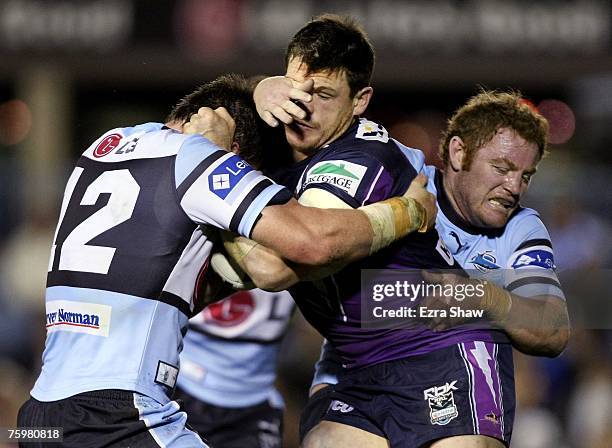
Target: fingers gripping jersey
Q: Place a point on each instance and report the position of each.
(131, 241)
(231, 349)
(361, 167)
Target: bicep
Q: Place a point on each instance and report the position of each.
(316, 197)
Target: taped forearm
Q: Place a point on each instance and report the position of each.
(393, 219)
(238, 247)
(536, 326)
(496, 302)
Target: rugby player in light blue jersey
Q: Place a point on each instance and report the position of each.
(435, 388)
(490, 153)
(132, 247)
(228, 369)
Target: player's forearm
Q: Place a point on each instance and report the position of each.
(324, 237)
(537, 326)
(314, 237)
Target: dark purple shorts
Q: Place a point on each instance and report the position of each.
(463, 389)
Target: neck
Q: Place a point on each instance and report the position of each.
(298, 156)
(175, 125)
(449, 191)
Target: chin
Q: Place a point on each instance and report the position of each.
(495, 222)
(301, 145)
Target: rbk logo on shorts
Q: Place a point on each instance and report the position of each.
(442, 408)
(342, 174)
(78, 317)
(340, 406)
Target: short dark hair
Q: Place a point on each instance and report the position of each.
(234, 92)
(478, 120)
(331, 42)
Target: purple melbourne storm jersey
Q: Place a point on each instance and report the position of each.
(131, 243)
(361, 167)
(518, 257)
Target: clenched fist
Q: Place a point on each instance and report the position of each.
(216, 125)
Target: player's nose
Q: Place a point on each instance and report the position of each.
(306, 107)
(513, 184)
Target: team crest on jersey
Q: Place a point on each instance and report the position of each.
(537, 257)
(227, 175)
(368, 130)
(107, 145)
(485, 261)
(342, 174)
(78, 317)
(442, 408)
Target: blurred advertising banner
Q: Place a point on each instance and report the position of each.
(241, 28)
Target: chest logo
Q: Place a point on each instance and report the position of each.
(230, 311)
(485, 261)
(107, 145)
(344, 175)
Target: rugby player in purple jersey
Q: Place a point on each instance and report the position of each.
(346, 162)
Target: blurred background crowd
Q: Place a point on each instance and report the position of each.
(70, 70)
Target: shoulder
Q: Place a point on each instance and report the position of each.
(525, 224)
(368, 143)
(527, 241)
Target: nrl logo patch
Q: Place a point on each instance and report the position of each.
(368, 130)
(344, 175)
(442, 408)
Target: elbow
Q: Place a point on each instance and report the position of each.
(557, 343)
(550, 346)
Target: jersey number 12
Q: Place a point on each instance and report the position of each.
(75, 254)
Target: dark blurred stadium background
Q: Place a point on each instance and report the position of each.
(72, 69)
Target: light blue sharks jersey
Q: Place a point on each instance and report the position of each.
(131, 243)
(231, 349)
(517, 257)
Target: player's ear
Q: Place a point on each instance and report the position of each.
(456, 153)
(235, 148)
(361, 100)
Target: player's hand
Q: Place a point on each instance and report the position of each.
(418, 191)
(275, 99)
(216, 125)
(457, 303)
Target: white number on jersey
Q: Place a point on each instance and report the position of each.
(76, 254)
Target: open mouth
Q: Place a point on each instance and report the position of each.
(502, 203)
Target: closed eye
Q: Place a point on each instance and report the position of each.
(501, 170)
